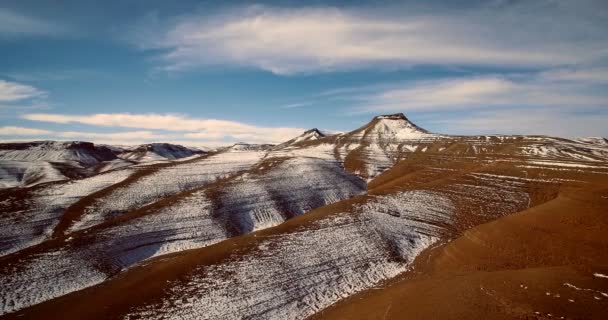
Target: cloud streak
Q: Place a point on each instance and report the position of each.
(190, 128)
(550, 122)
(22, 131)
(563, 102)
(13, 91)
(574, 88)
(15, 24)
(318, 39)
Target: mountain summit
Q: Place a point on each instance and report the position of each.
(395, 116)
(308, 135)
(397, 125)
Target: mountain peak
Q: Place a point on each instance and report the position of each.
(395, 116)
(313, 131)
(395, 125)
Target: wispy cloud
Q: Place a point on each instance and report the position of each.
(127, 138)
(126, 135)
(192, 128)
(15, 24)
(62, 74)
(564, 102)
(21, 131)
(543, 121)
(13, 91)
(585, 75)
(296, 40)
(296, 105)
(580, 88)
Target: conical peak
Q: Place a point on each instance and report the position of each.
(314, 131)
(395, 116)
(394, 124)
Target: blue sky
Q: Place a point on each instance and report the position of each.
(206, 73)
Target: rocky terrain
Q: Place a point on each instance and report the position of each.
(374, 223)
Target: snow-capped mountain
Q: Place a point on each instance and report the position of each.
(84, 153)
(308, 135)
(387, 139)
(158, 152)
(242, 146)
(30, 163)
(594, 140)
(287, 231)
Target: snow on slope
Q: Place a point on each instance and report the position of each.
(251, 202)
(323, 151)
(158, 152)
(112, 165)
(288, 278)
(186, 224)
(393, 127)
(76, 266)
(23, 174)
(85, 153)
(26, 220)
(168, 181)
(378, 144)
(294, 186)
(308, 135)
(29, 163)
(288, 189)
(194, 222)
(601, 141)
(53, 274)
(553, 148)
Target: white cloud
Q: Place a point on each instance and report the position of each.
(21, 131)
(287, 41)
(13, 91)
(544, 121)
(488, 91)
(128, 135)
(296, 105)
(13, 23)
(593, 75)
(203, 129)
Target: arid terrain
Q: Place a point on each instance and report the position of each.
(388, 221)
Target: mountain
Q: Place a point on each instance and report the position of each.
(308, 135)
(379, 145)
(158, 152)
(601, 141)
(242, 146)
(385, 220)
(30, 163)
(83, 153)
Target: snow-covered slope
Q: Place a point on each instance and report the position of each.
(308, 135)
(366, 151)
(31, 163)
(601, 141)
(84, 153)
(279, 191)
(242, 224)
(158, 152)
(26, 173)
(242, 146)
(385, 140)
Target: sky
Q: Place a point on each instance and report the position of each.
(209, 73)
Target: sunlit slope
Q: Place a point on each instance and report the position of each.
(547, 262)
